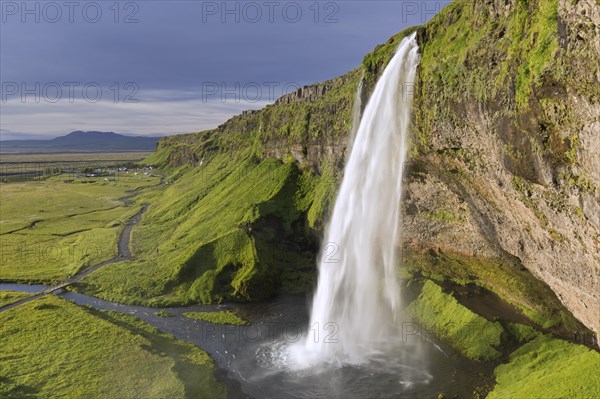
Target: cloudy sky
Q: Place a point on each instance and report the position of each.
(166, 67)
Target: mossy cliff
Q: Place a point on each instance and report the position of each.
(503, 187)
(505, 178)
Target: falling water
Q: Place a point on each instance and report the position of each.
(357, 296)
(356, 112)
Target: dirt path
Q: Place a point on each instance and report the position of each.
(124, 253)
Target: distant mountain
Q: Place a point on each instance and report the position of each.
(82, 141)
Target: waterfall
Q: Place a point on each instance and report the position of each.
(356, 112)
(357, 296)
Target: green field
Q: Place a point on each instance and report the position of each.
(227, 229)
(52, 228)
(8, 297)
(52, 348)
(36, 167)
(75, 157)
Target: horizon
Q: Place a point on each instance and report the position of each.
(155, 135)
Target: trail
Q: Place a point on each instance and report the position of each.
(124, 254)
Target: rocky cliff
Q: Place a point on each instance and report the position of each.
(503, 187)
(507, 146)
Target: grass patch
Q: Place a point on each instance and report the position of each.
(521, 332)
(221, 317)
(54, 348)
(469, 333)
(232, 228)
(51, 229)
(163, 313)
(8, 297)
(548, 368)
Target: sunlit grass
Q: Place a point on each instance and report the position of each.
(472, 335)
(221, 317)
(214, 233)
(8, 297)
(54, 348)
(51, 228)
(549, 368)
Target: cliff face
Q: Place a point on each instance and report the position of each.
(507, 146)
(503, 187)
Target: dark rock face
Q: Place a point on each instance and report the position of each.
(505, 158)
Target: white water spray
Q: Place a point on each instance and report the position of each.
(358, 295)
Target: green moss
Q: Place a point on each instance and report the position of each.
(556, 235)
(571, 144)
(324, 197)
(526, 190)
(441, 215)
(463, 33)
(469, 333)
(521, 332)
(548, 368)
(222, 317)
(514, 284)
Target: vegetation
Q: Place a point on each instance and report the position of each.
(469, 333)
(221, 317)
(79, 352)
(73, 158)
(226, 229)
(527, 40)
(8, 297)
(515, 285)
(548, 368)
(521, 332)
(51, 229)
(163, 313)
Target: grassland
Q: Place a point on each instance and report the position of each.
(8, 297)
(469, 333)
(52, 228)
(34, 167)
(549, 368)
(52, 348)
(67, 157)
(228, 229)
(221, 317)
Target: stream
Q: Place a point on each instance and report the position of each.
(251, 359)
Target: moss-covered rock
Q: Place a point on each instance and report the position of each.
(470, 334)
(548, 368)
